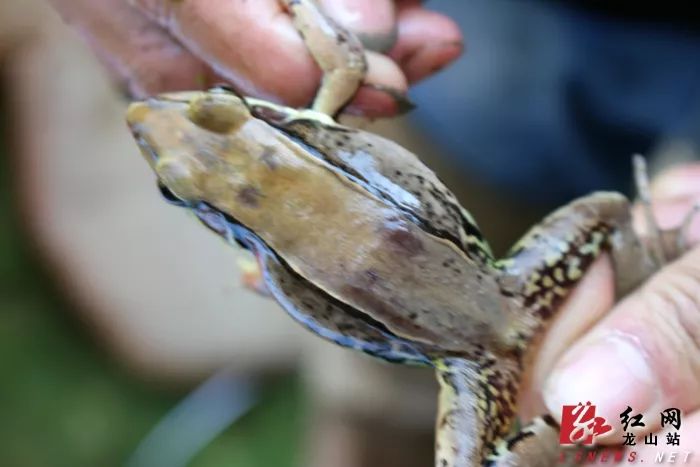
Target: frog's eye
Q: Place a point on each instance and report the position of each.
(218, 112)
(171, 197)
(224, 89)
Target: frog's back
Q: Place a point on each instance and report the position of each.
(397, 176)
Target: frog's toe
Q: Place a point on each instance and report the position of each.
(252, 277)
(681, 235)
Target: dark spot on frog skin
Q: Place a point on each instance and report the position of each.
(446, 419)
(523, 435)
(249, 196)
(404, 240)
(382, 311)
(344, 327)
(372, 276)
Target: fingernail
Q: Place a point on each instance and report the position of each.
(431, 58)
(611, 372)
(679, 181)
(379, 42)
(379, 101)
(403, 103)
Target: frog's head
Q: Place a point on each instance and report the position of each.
(184, 137)
(210, 154)
(197, 143)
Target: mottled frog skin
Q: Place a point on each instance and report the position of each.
(362, 244)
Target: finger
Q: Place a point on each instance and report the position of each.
(670, 214)
(141, 56)
(679, 181)
(377, 100)
(427, 41)
(578, 315)
(255, 46)
(645, 354)
(372, 21)
(583, 309)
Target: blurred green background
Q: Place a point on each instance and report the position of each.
(66, 402)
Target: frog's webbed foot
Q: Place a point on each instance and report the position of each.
(337, 52)
(252, 277)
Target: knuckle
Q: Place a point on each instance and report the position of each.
(159, 10)
(673, 298)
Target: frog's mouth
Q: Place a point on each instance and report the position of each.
(135, 117)
(146, 149)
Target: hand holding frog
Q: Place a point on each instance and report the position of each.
(363, 245)
(154, 46)
(645, 353)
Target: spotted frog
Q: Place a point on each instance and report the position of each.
(362, 244)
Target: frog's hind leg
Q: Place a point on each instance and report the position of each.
(477, 422)
(542, 269)
(338, 53)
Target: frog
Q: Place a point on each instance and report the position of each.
(363, 244)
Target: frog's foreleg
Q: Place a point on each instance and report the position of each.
(337, 52)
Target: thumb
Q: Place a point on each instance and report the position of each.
(645, 354)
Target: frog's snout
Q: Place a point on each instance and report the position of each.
(135, 113)
(136, 116)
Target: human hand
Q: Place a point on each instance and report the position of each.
(154, 46)
(643, 352)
